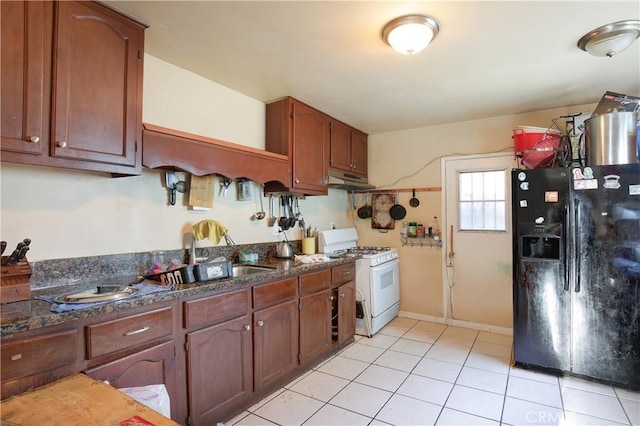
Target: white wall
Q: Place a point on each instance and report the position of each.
(71, 213)
(411, 159)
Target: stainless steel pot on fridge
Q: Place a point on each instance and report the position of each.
(612, 139)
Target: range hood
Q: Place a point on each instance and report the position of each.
(348, 182)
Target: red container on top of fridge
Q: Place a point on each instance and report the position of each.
(536, 146)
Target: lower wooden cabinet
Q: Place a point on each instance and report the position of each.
(346, 312)
(315, 325)
(219, 369)
(275, 340)
(152, 366)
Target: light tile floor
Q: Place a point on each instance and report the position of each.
(421, 373)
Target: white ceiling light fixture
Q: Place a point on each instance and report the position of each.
(411, 33)
(610, 39)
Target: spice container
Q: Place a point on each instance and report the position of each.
(412, 229)
(403, 231)
(420, 230)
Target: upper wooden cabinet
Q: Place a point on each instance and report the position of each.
(302, 133)
(348, 149)
(71, 86)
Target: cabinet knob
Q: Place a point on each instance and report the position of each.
(297, 180)
(332, 298)
(62, 144)
(260, 323)
(247, 327)
(341, 294)
(34, 139)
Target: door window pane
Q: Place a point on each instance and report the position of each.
(482, 201)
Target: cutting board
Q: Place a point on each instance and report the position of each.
(201, 191)
(78, 400)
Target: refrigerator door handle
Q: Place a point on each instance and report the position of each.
(576, 255)
(567, 253)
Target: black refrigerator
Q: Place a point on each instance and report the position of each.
(576, 271)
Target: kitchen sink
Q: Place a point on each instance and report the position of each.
(244, 270)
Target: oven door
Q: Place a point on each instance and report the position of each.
(385, 286)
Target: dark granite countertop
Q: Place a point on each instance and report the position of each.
(32, 314)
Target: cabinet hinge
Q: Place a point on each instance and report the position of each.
(186, 346)
(291, 115)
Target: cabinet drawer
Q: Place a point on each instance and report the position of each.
(124, 333)
(316, 281)
(26, 357)
(343, 273)
(215, 309)
(268, 294)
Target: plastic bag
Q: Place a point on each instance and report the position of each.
(155, 397)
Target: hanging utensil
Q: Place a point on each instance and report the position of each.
(271, 220)
(284, 220)
(365, 211)
(292, 216)
(397, 211)
(414, 202)
(170, 178)
(225, 182)
(261, 214)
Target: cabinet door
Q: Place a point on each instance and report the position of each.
(359, 153)
(315, 325)
(218, 369)
(97, 68)
(152, 366)
(310, 149)
(275, 340)
(346, 312)
(25, 42)
(340, 151)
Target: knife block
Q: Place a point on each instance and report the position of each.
(15, 281)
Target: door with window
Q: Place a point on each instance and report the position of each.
(476, 237)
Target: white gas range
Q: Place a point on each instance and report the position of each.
(377, 278)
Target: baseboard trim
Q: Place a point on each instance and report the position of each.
(458, 323)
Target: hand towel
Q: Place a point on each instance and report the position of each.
(210, 229)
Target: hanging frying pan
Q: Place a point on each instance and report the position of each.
(414, 202)
(365, 211)
(397, 211)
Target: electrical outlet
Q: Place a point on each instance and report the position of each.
(333, 225)
(276, 229)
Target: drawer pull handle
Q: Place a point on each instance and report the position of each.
(247, 327)
(141, 330)
(260, 323)
(16, 357)
(347, 273)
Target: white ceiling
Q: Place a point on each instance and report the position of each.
(491, 58)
